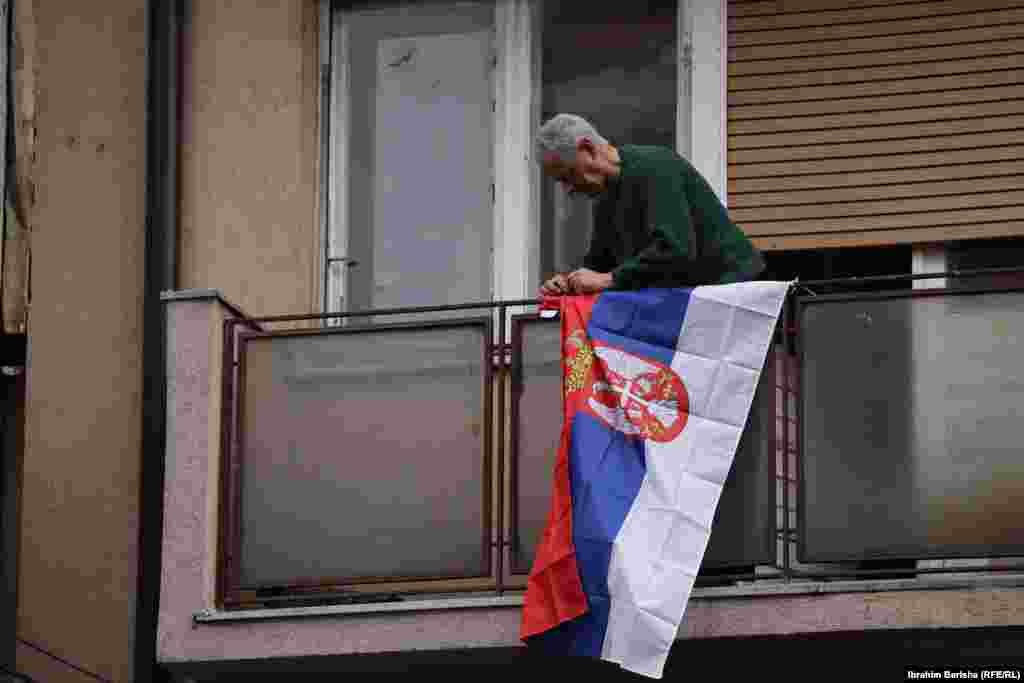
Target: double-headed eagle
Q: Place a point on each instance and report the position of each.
(579, 359)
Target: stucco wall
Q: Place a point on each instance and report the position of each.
(80, 497)
(249, 167)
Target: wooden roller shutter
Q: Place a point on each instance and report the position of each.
(868, 122)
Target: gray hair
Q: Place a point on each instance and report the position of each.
(561, 133)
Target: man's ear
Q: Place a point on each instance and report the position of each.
(586, 145)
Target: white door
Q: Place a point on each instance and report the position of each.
(416, 224)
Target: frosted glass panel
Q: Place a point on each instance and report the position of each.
(363, 455)
(538, 429)
(912, 410)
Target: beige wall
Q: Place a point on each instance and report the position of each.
(80, 501)
(250, 219)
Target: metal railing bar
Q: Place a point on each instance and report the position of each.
(870, 279)
(503, 427)
(844, 572)
(397, 311)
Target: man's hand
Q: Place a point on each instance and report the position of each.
(582, 281)
(555, 285)
(586, 281)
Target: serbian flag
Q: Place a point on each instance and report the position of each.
(657, 387)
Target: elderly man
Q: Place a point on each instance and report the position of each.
(657, 222)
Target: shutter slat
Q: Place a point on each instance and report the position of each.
(887, 132)
(889, 221)
(864, 14)
(873, 238)
(878, 73)
(769, 7)
(877, 118)
(819, 93)
(907, 175)
(865, 30)
(869, 149)
(891, 206)
(877, 163)
(910, 49)
(882, 103)
(869, 193)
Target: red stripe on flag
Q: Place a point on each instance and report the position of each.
(554, 592)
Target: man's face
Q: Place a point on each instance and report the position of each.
(580, 176)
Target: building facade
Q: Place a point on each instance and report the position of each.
(193, 491)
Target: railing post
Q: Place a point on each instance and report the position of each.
(787, 532)
(224, 547)
(500, 454)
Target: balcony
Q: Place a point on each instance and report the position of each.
(389, 473)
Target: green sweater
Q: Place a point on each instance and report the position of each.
(661, 225)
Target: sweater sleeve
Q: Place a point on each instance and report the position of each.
(667, 259)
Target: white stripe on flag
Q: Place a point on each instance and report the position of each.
(720, 353)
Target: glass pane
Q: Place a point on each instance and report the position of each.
(538, 431)
(420, 129)
(743, 528)
(615, 65)
(363, 455)
(742, 533)
(911, 421)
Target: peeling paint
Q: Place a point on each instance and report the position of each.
(406, 58)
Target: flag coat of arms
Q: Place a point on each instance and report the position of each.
(657, 388)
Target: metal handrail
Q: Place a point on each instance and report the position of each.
(877, 279)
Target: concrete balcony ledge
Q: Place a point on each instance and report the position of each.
(436, 625)
(203, 295)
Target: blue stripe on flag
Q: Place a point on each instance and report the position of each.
(648, 319)
(606, 469)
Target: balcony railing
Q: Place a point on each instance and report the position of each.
(364, 460)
